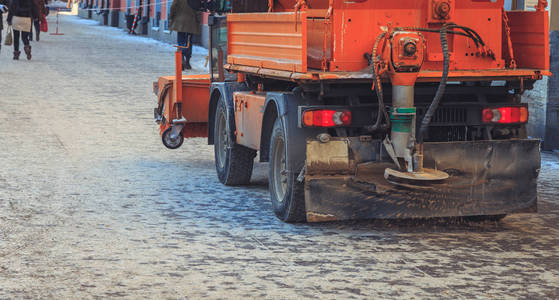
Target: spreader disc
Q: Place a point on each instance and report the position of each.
(428, 175)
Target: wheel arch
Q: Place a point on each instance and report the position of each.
(271, 112)
(285, 106)
(214, 98)
(217, 91)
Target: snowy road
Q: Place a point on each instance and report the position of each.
(93, 206)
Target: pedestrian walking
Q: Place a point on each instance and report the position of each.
(185, 20)
(42, 12)
(3, 9)
(20, 14)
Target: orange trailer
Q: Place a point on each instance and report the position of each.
(369, 108)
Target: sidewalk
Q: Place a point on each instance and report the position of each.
(77, 31)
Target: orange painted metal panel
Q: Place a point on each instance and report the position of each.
(356, 25)
(276, 41)
(319, 35)
(249, 109)
(195, 103)
(530, 38)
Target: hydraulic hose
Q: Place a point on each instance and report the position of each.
(444, 31)
(442, 86)
(162, 96)
(378, 88)
(468, 32)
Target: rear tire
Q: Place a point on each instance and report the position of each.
(287, 194)
(233, 162)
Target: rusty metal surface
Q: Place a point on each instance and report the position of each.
(319, 39)
(249, 108)
(327, 158)
(486, 178)
(315, 217)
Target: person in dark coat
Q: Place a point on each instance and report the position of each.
(41, 11)
(3, 9)
(27, 9)
(186, 22)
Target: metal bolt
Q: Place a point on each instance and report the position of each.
(324, 137)
(410, 48)
(442, 10)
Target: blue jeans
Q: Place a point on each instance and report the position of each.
(182, 40)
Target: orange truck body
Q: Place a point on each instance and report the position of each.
(308, 45)
(309, 41)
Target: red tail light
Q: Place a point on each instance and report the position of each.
(505, 115)
(326, 118)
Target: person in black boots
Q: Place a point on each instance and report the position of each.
(41, 11)
(23, 11)
(185, 20)
(3, 9)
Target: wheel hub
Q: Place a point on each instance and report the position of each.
(222, 141)
(172, 142)
(280, 168)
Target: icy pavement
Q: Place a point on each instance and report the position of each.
(93, 206)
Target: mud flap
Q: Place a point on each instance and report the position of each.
(486, 178)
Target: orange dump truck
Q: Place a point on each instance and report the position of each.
(369, 108)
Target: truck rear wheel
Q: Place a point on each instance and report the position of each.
(233, 162)
(286, 193)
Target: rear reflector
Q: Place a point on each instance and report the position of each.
(505, 115)
(326, 118)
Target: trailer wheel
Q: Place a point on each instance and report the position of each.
(287, 194)
(233, 162)
(169, 142)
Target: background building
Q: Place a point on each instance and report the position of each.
(154, 21)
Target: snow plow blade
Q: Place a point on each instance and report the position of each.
(345, 180)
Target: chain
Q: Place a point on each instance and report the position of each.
(512, 63)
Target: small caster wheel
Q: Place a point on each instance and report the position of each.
(170, 142)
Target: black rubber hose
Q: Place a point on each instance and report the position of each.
(378, 88)
(468, 32)
(471, 31)
(465, 33)
(442, 86)
(162, 96)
